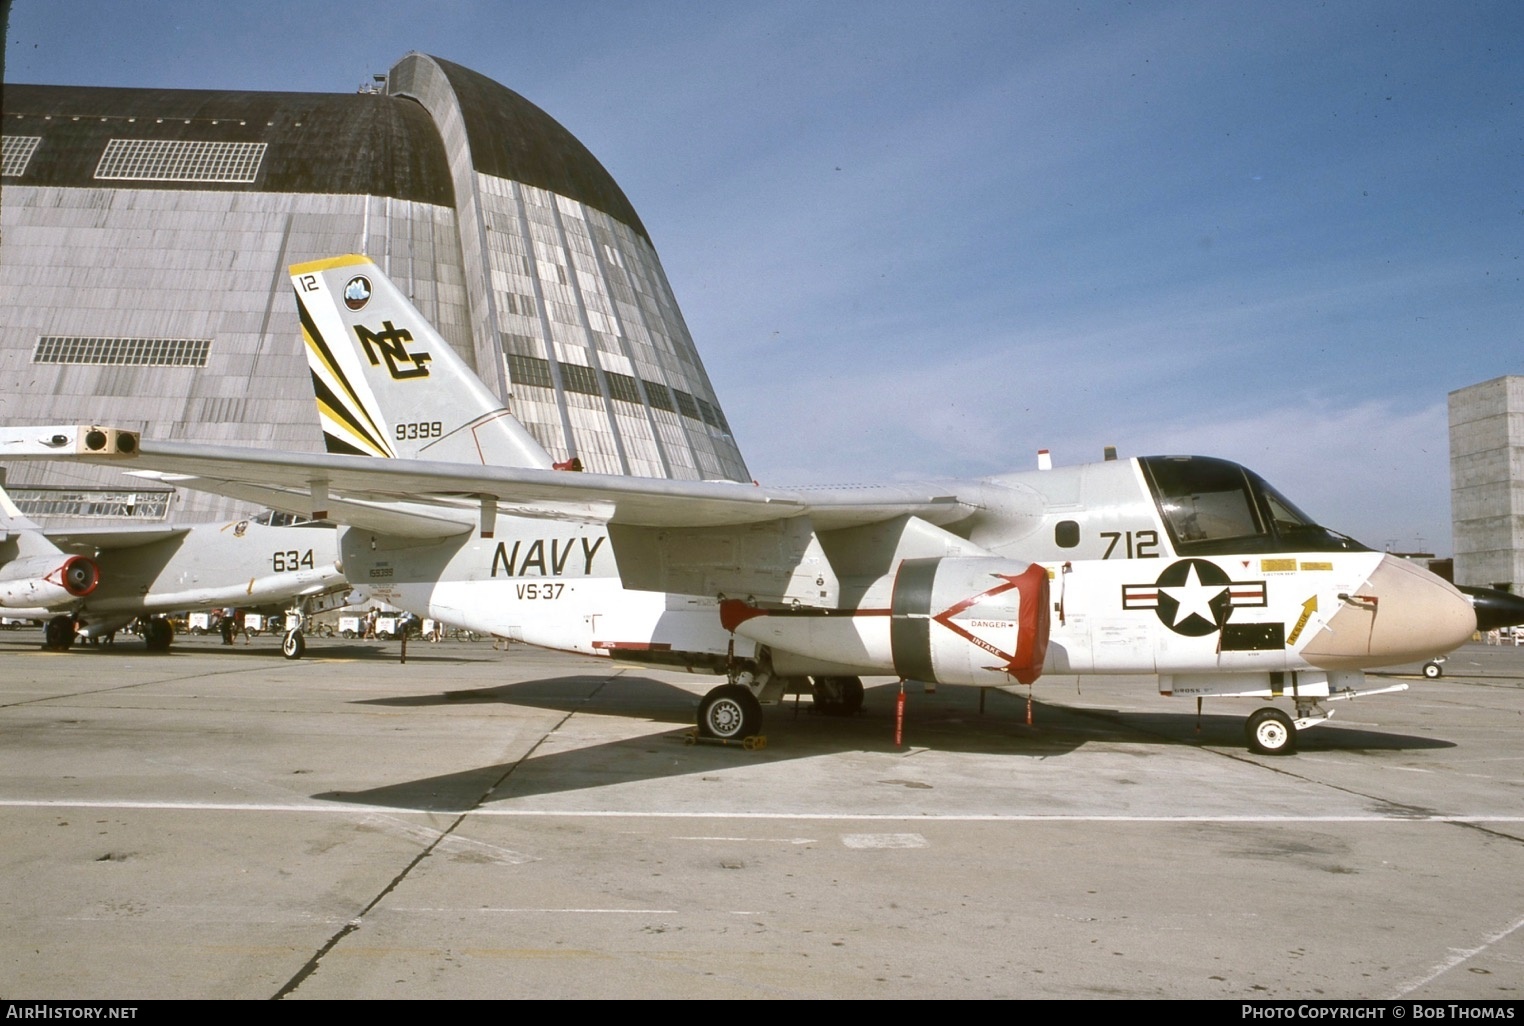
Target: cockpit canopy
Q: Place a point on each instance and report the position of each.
(1213, 507)
(275, 518)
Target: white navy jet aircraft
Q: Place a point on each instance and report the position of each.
(141, 572)
(1186, 567)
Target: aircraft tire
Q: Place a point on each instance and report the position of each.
(837, 696)
(1433, 671)
(293, 645)
(158, 635)
(1271, 732)
(730, 712)
(58, 635)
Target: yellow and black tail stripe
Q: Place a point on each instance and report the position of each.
(348, 427)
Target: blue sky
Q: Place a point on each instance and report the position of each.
(922, 240)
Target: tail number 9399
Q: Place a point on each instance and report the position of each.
(419, 429)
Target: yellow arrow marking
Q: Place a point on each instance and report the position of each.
(1308, 608)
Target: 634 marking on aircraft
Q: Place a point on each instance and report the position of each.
(141, 573)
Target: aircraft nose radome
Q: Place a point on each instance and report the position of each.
(1415, 616)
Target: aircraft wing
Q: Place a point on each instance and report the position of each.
(118, 536)
(428, 498)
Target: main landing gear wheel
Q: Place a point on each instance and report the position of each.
(158, 635)
(729, 712)
(293, 645)
(837, 696)
(1433, 671)
(58, 635)
(1271, 732)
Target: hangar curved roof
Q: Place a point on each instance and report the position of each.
(348, 143)
(512, 138)
(315, 142)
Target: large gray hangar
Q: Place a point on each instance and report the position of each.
(146, 236)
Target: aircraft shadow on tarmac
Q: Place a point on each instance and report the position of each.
(948, 721)
(261, 646)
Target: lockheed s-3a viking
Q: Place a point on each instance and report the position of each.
(1190, 568)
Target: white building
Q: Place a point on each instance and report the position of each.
(1487, 483)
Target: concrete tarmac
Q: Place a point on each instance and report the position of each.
(222, 823)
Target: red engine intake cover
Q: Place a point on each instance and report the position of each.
(78, 576)
(970, 620)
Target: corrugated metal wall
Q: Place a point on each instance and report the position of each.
(562, 306)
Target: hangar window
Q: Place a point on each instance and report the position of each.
(622, 386)
(180, 160)
(528, 370)
(685, 404)
(17, 151)
(577, 378)
(124, 352)
(719, 419)
(660, 398)
(92, 502)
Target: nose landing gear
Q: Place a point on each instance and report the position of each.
(293, 645)
(1271, 732)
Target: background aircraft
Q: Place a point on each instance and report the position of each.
(1191, 568)
(136, 572)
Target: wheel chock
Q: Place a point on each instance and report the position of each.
(754, 743)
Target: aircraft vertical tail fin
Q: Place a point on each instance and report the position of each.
(387, 384)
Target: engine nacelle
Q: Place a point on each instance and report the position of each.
(952, 620)
(48, 582)
(969, 621)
